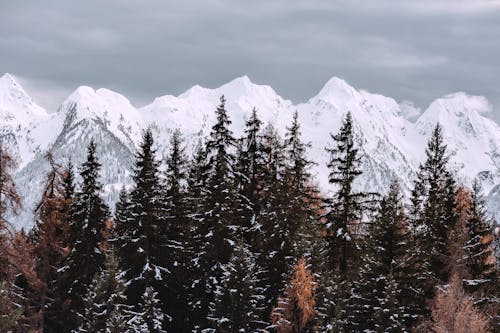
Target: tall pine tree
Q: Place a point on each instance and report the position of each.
(216, 223)
(141, 227)
(432, 214)
(88, 215)
(344, 214)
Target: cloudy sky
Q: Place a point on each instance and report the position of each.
(410, 50)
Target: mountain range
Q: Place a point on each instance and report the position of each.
(392, 136)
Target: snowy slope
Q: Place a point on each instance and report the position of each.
(393, 146)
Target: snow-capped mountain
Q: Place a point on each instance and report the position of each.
(392, 146)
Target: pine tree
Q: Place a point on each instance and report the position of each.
(88, 217)
(382, 293)
(141, 227)
(216, 224)
(344, 213)
(479, 256)
(238, 299)
(269, 244)
(432, 214)
(149, 317)
(250, 177)
(105, 309)
(176, 242)
(298, 228)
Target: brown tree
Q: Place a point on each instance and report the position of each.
(453, 311)
(296, 308)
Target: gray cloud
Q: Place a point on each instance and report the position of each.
(411, 50)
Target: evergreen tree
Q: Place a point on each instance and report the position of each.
(344, 213)
(250, 176)
(433, 215)
(149, 317)
(238, 299)
(141, 227)
(177, 248)
(478, 246)
(382, 294)
(88, 218)
(216, 224)
(269, 243)
(298, 228)
(105, 309)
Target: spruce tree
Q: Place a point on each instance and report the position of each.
(177, 247)
(105, 301)
(383, 291)
(216, 225)
(344, 213)
(148, 318)
(238, 299)
(141, 227)
(298, 228)
(88, 217)
(250, 176)
(478, 250)
(432, 213)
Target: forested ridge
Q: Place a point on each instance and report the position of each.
(237, 238)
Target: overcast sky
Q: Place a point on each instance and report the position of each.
(410, 50)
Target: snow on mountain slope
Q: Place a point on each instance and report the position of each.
(473, 140)
(392, 146)
(26, 127)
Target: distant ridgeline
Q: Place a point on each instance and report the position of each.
(391, 145)
(233, 233)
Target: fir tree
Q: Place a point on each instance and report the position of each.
(432, 214)
(344, 212)
(478, 246)
(298, 227)
(88, 217)
(141, 227)
(382, 294)
(216, 224)
(177, 248)
(250, 176)
(238, 299)
(105, 309)
(149, 317)
(269, 244)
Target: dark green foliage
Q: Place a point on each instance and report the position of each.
(238, 299)
(215, 223)
(177, 249)
(344, 213)
(432, 214)
(382, 293)
(141, 226)
(88, 215)
(105, 301)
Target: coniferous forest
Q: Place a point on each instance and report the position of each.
(237, 238)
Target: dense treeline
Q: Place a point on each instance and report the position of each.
(236, 238)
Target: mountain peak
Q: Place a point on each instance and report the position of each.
(336, 90)
(15, 101)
